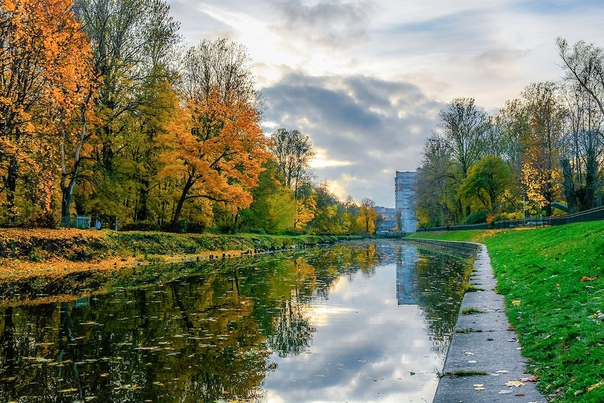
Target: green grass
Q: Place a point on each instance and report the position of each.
(555, 277)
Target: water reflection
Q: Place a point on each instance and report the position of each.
(323, 324)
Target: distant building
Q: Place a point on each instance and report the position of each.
(387, 222)
(405, 200)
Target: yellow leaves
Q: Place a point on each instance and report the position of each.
(596, 386)
(516, 302)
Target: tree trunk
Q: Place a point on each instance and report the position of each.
(11, 188)
(182, 199)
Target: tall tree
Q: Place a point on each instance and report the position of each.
(541, 174)
(215, 149)
(368, 215)
(437, 180)
(44, 89)
(584, 67)
(216, 145)
(133, 45)
(582, 150)
(464, 126)
(293, 152)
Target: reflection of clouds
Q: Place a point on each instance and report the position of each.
(367, 352)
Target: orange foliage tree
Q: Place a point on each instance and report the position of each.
(215, 148)
(43, 80)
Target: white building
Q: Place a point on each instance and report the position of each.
(405, 200)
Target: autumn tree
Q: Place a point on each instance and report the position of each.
(215, 147)
(541, 174)
(45, 91)
(367, 215)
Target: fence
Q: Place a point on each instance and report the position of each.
(595, 214)
(79, 221)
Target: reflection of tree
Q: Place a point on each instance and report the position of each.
(441, 278)
(9, 355)
(196, 339)
(292, 331)
(192, 341)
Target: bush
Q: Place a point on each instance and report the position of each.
(141, 226)
(475, 218)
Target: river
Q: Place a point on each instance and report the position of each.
(353, 322)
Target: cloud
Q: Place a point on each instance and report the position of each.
(366, 78)
(375, 126)
(328, 23)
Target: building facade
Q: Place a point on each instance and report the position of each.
(404, 193)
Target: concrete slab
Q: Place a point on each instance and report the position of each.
(484, 361)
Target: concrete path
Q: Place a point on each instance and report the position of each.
(483, 343)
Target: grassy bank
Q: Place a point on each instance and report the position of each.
(39, 252)
(553, 282)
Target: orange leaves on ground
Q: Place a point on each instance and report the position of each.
(586, 278)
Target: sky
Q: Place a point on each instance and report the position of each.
(366, 80)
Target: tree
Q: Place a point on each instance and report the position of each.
(583, 146)
(437, 181)
(133, 45)
(540, 167)
(464, 127)
(215, 149)
(487, 180)
(368, 215)
(274, 206)
(44, 92)
(293, 151)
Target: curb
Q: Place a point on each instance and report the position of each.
(484, 361)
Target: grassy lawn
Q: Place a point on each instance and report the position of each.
(553, 281)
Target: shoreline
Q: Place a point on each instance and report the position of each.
(53, 253)
(484, 361)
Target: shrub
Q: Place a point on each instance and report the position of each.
(476, 218)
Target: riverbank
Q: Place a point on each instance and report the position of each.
(26, 253)
(551, 280)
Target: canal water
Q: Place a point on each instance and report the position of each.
(354, 322)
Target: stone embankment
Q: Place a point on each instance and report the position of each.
(484, 361)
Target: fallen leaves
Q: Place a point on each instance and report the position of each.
(514, 383)
(596, 385)
(585, 278)
(516, 302)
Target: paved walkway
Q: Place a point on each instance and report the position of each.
(483, 343)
